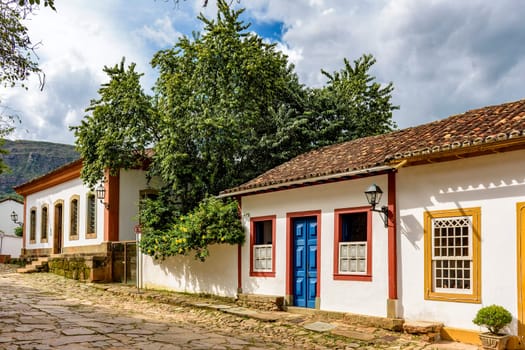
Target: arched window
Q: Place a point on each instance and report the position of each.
(43, 224)
(32, 225)
(91, 216)
(73, 217)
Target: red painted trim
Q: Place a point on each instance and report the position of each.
(239, 250)
(60, 175)
(273, 218)
(111, 215)
(24, 219)
(289, 248)
(392, 237)
(337, 238)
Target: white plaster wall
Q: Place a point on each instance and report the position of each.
(131, 182)
(348, 296)
(495, 183)
(50, 196)
(6, 208)
(217, 275)
(10, 245)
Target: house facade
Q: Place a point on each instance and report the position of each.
(450, 239)
(10, 244)
(63, 217)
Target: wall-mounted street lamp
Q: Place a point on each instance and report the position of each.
(373, 196)
(101, 195)
(14, 218)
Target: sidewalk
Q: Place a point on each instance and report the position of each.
(324, 330)
(321, 322)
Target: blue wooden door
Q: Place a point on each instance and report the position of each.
(305, 261)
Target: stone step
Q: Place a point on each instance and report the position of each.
(35, 266)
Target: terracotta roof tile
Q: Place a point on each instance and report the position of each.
(465, 132)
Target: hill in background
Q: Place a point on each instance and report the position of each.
(30, 159)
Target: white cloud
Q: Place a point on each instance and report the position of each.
(443, 56)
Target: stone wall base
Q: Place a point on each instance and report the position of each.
(261, 302)
(90, 268)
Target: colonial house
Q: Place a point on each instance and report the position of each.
(10, 244)
(66, 220)
(424, 223)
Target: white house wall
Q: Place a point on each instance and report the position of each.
(6, 208)
(217, 275)
(131, 182)
(11, 244)
(494, 183)
(366, 297)
(50, 196)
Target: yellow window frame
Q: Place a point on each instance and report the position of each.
(475, 295)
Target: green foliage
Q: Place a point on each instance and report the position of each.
(493, 317)
(120, 128)
(216, 96)
(351, 106)
(227, 107)
(211, 222)
(19, 231)
(17, 58)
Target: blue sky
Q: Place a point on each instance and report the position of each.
(444, 57)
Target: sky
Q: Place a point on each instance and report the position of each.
(444, 57)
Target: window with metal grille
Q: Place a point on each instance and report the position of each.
(43, 224)
(91, 214)
(352, 247)
(32, 225)
(73, 218)
(262, 249)
(262, 238)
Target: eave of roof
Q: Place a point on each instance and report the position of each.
(498, 128)
(57, 176)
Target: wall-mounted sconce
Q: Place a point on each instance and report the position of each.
(101, 195)
(373, 196)
(14, 218)
(246, 216)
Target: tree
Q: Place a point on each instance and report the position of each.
(120, 128)
(351, 106)
(227, 106)
(17, 58)
(218, 97)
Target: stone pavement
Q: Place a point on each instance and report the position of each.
(46, 311)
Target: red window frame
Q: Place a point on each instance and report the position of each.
(253, 273)
(338, 226)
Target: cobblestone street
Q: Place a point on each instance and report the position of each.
(45, 311)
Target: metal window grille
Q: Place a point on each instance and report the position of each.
(91, 214)
(74, 217)
(43, 227)
(452, 254)
(352, 257)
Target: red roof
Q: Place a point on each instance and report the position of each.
(469, 134)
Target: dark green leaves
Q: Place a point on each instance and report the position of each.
(121, 127)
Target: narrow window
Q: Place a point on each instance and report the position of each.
(32, 225)
(73, 218)
(452, 255)
(43, 224)
(91, 216)
(262, 237)
(353, 246)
